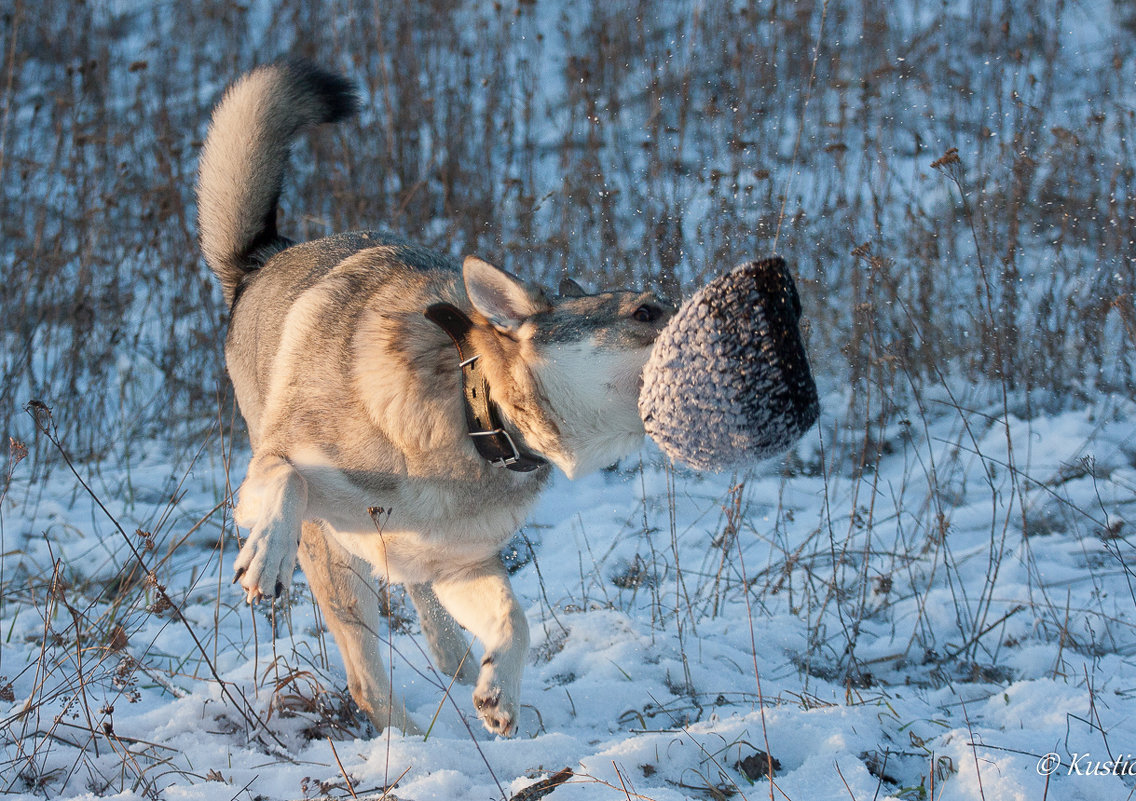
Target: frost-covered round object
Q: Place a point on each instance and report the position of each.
(728, 382)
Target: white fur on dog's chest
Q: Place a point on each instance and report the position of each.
(416, 530)
(408, 557)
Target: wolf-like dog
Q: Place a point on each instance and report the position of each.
(404, 410)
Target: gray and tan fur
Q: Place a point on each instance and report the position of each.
(353, 401)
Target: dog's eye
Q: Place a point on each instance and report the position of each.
(646, 314)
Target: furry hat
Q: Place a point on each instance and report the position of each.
(728, 382)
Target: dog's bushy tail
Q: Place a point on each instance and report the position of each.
(242, 164)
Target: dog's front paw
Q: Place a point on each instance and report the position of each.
(273, 501)
(497, 711)
(265, 564)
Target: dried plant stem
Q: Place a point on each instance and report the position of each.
(46, 425)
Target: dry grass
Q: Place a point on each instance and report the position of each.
(672, 154)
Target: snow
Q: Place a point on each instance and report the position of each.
(866, 634)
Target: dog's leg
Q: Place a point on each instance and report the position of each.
(273, 500)
(447, 643)
(349, 601)
(483, 602)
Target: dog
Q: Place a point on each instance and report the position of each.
(404, 410)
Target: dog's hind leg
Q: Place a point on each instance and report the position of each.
(273, 501)
(447, 643)
(349, 602)
(482, 601)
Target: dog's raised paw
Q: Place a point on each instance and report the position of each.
(265, 565)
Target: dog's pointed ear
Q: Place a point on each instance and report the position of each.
(570, 289)
(505, 300)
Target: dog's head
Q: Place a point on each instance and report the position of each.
(569, 367)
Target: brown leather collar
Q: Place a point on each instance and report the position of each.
(482, 416)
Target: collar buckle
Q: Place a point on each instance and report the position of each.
(483, 418)
(502, 461)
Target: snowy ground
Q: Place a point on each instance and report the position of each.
(929, 628)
